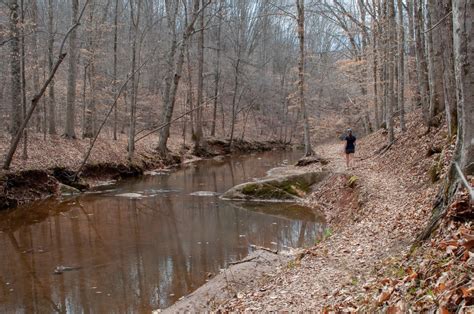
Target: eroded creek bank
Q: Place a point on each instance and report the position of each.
(21, 187)
(143, 243)
(278, 192)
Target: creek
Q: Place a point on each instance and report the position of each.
(142, 243)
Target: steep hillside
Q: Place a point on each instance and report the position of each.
(368, 260)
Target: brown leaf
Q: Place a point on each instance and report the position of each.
(393, 309)
(450, 249)
(443, 310)
(385, 295)
(468, 244)
(467, 291)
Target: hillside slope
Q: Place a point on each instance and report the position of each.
(376, 212)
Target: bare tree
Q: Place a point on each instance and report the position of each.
(115, 64)
(170, 93)
(449, 80)
(135, 9)
(308, 150)
(198, 135)
(69, 131)
(219, 5)
(15, 67)
(434, 61)
(463, 23)
(422, 67)
(52, 98)
(401, 65)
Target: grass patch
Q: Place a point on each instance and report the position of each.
(352, 181)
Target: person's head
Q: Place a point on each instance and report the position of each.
(349, 131)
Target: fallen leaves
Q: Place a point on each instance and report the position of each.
(385, 295)
(367, 265)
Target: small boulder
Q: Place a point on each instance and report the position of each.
(282, 184)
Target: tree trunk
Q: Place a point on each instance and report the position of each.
(69, 131)
(308, 151)
(172, 8)
(401, 66)
(412, 73)
(198, 136)
(36, 80)
(375, 72)
(234, 99)
(15, 68)
(463, 23)
(171, 100)
(115, 65)
(449, 80)
(422, 67)
(23, 80)
(52, 100)
(217, 72)
(190, 91)
(90, 113)
(434, 61)
(135, 18)
(391, 69)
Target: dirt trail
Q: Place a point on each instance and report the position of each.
(388, 217)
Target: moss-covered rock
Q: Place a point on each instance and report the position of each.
(284, 185)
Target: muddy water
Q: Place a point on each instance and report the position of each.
(143, 243)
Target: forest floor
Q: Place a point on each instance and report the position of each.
(375, 212)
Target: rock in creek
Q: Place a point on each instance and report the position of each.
(281, 184)
(130, 195)
(61, 269)
(67, 190)
(204, 193)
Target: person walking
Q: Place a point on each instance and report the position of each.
(349, 147)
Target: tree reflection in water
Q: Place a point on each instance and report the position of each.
(142, 254)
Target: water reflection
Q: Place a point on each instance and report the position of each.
(139, 254)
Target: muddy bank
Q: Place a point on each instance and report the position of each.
(230, 281)
(20, 187)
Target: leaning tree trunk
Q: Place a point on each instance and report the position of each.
(171, 99)
(69, 131)
(300, 20)
(463, 23)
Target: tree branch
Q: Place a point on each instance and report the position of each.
(37, 97)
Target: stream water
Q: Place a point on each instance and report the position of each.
(143, 243)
